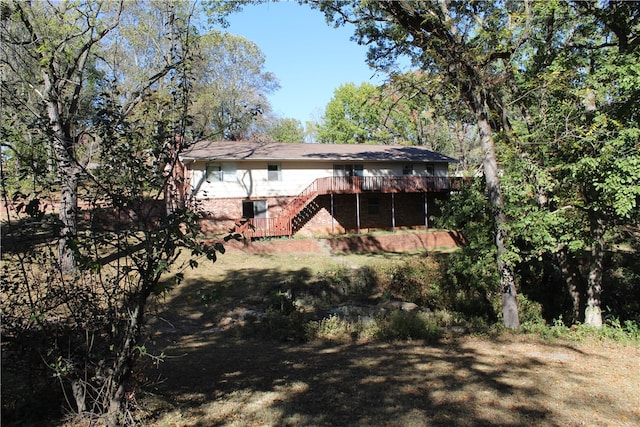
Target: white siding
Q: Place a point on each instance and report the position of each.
(252, 178)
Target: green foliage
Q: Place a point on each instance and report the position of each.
(407, 110)
(469, 274)
(352, 116)
(334, 328)
(417, 281)
(405, 325)
(354, 282)
(86, 323)
(286, 130)
(229, 88)
(212, 295)
(397, 325)
(284, 327)
(612, 330)
(530, 311)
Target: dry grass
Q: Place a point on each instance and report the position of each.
(509, 382)
(213, 376)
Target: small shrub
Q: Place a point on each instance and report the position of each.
(461, 322)
(530, 311)
(612, 330)
(416, 281)
(334, 328)
(351, 282)
(408, 325)
(284, 327)
(281, 302)
(211, 295)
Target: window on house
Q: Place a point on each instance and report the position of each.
(254, 209)
(428, 170)
(348, 170)
(373, 206)
(217, 172)
(229, 172)
(214, 172)
(274, 171)
(407, 169)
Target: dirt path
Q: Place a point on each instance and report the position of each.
(514, 381)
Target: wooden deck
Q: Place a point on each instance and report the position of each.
(282, 225)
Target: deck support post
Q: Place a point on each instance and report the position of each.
(393, 211)
(426, 211)
(333, 217)
(358, 211)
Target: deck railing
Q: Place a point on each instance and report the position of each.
(281, 225)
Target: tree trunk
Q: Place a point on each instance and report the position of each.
(68, 217)
(593, 311)
(68, 173)
(433, 29)
(510, 316)
(79, 392)
(123, 366)
(572, 280)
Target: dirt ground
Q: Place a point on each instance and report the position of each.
(213, 380)
(215, 376)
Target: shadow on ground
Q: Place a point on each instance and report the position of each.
(217, 377)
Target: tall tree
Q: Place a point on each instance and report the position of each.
(69, 59)
(469, 44)
(285, 130)
(231, 87)
(408, 109)
(352, 116)
(60, 56)
(580, 86)
(56, 44)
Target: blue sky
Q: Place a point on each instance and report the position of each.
(310, 58)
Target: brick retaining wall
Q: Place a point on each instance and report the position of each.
(397, 242)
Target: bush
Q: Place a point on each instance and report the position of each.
(418, 281)
(283, 327)
(530, 312)
(345, 281)
(334, 328)
(408, 325)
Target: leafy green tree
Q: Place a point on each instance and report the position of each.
(48, 54)
(581, 84)
(407, 110)
(417, 111)
(286, 130)
(352, 116)
(470, 273)
(230, 88)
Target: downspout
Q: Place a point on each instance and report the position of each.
(196, 188)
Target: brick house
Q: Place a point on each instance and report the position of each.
(284, 189)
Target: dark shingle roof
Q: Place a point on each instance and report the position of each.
(249, 150)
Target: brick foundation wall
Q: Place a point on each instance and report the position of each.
(376, 212)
